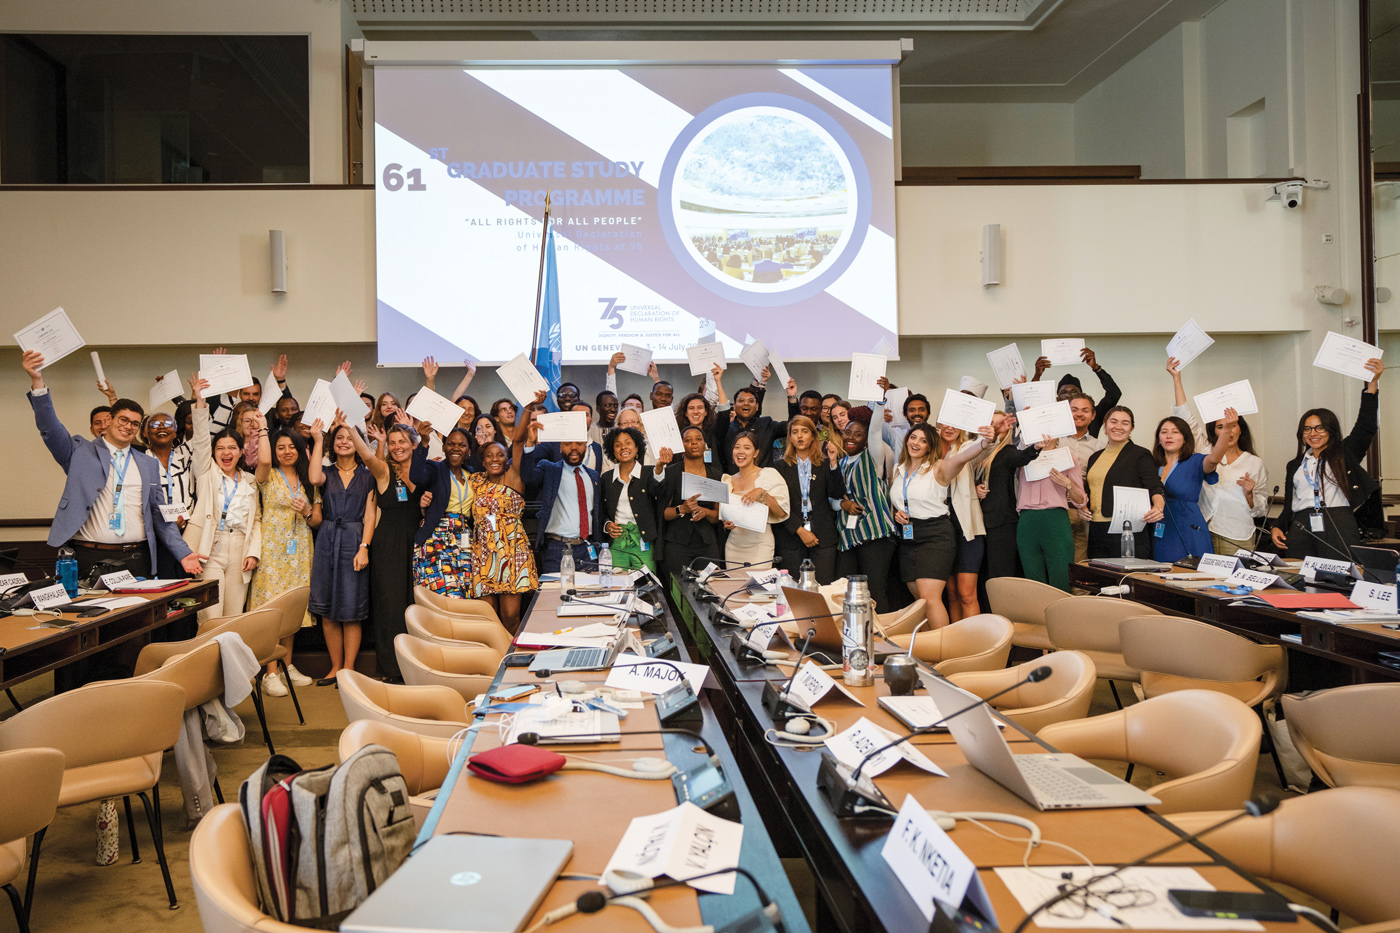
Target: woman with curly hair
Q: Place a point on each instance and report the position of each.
(630, 494)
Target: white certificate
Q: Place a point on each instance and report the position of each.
(270, 393)
(166, 388)
(347, 399)
(894, 404)
(522, 379)
(866, 371)
(638, 359)
(775, 363)
(441, 412)
(1341, 354)
(97, 365)
(1236, 395)
(703, 356)
(1189, 343)
(755, 356)
(224, 373)
(752, 517)
(1032, 395)
(967, 412)
(319, 405)
(1062, 351)
(885, 348)
(53, 335)
(709, 490)
(662, 431)
(1045, 421)
(1056, 458)
(1130, 504)
(565, 427)
(1007, 365)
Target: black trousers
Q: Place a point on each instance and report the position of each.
(1339, 532)
(823, 558)
(1003, 560)
(874, 559)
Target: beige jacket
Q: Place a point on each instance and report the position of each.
(199, 530)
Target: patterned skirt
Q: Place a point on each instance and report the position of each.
(442, 564)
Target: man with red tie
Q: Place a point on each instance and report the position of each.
(569, 504)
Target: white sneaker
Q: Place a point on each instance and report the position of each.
(297, 677)
(272, 686)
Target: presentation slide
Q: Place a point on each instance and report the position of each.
(689, 204)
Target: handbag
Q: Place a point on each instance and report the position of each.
(515, 763)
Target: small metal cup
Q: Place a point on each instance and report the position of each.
(902, 674)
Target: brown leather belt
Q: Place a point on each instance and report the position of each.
(563, 540)
(97, 546)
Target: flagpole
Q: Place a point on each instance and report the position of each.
(539, 285)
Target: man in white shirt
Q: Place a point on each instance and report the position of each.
(1082, 444)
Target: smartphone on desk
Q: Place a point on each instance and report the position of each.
(1232, 905)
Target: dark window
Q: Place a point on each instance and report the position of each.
(88, 109)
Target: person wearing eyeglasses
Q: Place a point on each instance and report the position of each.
(1326, 481)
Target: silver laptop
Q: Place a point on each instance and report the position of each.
(1131, 564)
(1049, 782)
(564, 660)
(466, 884)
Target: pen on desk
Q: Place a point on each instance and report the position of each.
(564, 631)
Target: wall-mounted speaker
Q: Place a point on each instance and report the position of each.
(278, 245)
(991, 255)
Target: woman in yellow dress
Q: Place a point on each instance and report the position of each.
(503, 564)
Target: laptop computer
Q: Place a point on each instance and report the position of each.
(1131, 564)
(564, 660)
(1379, 562)
(471, 884)
(1054, 781)
(804, 605)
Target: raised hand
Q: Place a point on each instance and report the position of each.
(197, 387)
(106, 389)
(1089, 359)
(884, 383)
(987, 434)
(338, 420)
(317, 429)
(1231, 417)
(791, 387)
(360, 385)
(765, 375)
(344, 368)
(653, 373)
(219, 351)
(1042, 363)
(279, 369)
(377, 435)
(663, 456)
(1174, 367)
(33, 361)
(1376, 367)
(430, 367)
(616, 360)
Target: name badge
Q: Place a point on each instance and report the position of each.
(851, 520)
(1159, 529)
(114, 522)
(645, 546)
(806, 526)
(464, 541)
(1315, 521)
(292, 546)
(402, 493)
(908, 532)
(172, 513)
(707, 456)
(491, 517)
(592, 554)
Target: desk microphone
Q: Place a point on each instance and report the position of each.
(690, 573)
(570, 596)
(741, 650)
(1332, 579)
(1254, 542)
(767, 917)
(1258, 806)
(775, 702)
(533, 738)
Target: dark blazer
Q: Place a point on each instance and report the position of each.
(1360, 484)
(87, 465)
(1134, 467)
(642, 491)
(826, 484)
(765, 428)
(433, 476)
(546, 474)
(999, 508)
(682, 530)
(593, 458)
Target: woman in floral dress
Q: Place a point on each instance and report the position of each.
(503, 564)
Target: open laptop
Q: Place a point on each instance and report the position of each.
(1048, 782)
(565, 660)
(471, 884)
(1379, 562)
(804, 605)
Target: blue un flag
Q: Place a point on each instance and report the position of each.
(549, 338)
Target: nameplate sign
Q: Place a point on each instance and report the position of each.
(653, 675)
(930, 866)
(8, 580)
(854, 744)
(1311, 566)
(812, 683)
(1374, 596)
(681, 843)
(1252, 579)
(113, 580)
(50, 596)
(1218, 565)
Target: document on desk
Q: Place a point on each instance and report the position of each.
(522, 378)
(638, 359)
(662, 431)
(1033, 886)
(167, 387)
(866, 371)
(1062, 351)
(681, 843)
(1007, 365)
(703, 356)
(1188, 343)
(53, 335)
(1236, 395)
(225, 372)
(749, 517)
(1056, 458)
(438, 410)
(347, 399)
(1055, 420)
(1130, 504)
(564, 427)
(319, 405)
(1346, 355)
(1032, 394)
(967, 412)
(852, 745)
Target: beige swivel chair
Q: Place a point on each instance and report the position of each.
(451, 606)
(977, 643)
(259, 630)
(200, 673)
(1023, 602)
(431, 625)
(1336, 845)
(468, 669)
(112, 736)
(1090, 624)
(1347, 735)
(423, 759)
(430, 710)
(1206, 743)
(901, 621)
(1062, 696)
(221, 867)
(292, 605)
(30, 779)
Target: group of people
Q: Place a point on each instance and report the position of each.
(256, 498)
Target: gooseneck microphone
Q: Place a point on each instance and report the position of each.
(690, 573)
(1258, 806)
(1336, 580)
(775, 701)
(1262, 529)
(767, 917)
(533, 738)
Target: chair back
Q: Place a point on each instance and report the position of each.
(449, 605)
(292, 604)
(431, 710)
(261, 630)
(200, 673)
(1091, 623)
(423, 759)
(221, 867)
(30, 779)
(1175, 653)
(1064, 695)
(1024, 602)
(902, 621)
(977, 643)
(1347, 734)
(432, 625)
(101, 723)
(468, 669)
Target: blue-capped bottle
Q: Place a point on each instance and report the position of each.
(66, 570)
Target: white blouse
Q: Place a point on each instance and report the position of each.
(919, 495)
(1303, 479)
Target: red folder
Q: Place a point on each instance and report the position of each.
(1307, 600)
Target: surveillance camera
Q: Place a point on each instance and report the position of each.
(1291, 195)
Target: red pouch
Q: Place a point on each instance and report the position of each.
(515, 764)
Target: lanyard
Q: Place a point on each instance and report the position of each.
(452, 478)
(121, 477)
(905, 492)
(804, 480)
(1314, 480)
(169, 486)
(228, 497)
(290, 491)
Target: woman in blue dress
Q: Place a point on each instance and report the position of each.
(1183, 529)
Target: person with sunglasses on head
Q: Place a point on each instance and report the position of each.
(1325, 481)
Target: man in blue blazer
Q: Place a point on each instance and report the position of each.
(110, 509)
(569, 506)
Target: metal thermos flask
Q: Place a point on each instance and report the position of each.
(857, 634)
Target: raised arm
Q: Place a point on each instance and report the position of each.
(461, 389)
(520, 472)
(264, 468)
(315, 472)
(946, 470)
(1217, 453)
(430, 371)
(201, 442)
(379, 468)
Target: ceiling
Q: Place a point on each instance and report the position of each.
(964, 50)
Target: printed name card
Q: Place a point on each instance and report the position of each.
(113, 580)
(851, 746)
(1374, 596)
(1252, 579)
(1218, 565)
(50, 596)
(812, 683)
(652, 675)
(1311, 565)
(8, 580)
(681, 843)
(929, 864)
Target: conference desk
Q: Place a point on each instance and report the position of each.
(1320, 654)
(593, 809)
(856, 890)
(29, 648)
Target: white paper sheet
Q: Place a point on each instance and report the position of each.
(166, 388)
(97, 366)
(1346, 355)
(886, 349)
(866, 370)
(681, 843)
(638, 359)
(319, 404)
(53, 335)
(1236, 395)
(437, 410)
(710, 490)
(1130, 504)
(270, 393)
(563, 427)
(894, 404)
(751, 517)
(703, 356)
(1062, 351)
(347, 399)
(1188, 343)
(1054, 420)
(1056, 458)
(1033, 886)
(780, 372)
(967, 412)
(522, 379)
(224, 373)
(662, 431)
(1007, 365)
(1032, 394)
(755, 357)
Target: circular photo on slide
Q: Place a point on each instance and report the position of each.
(765, 204)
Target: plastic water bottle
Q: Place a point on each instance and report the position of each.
(784, 579)
(566, 569)
(1128, 541)
(807, 577)
(605, 566)
(66, 569)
